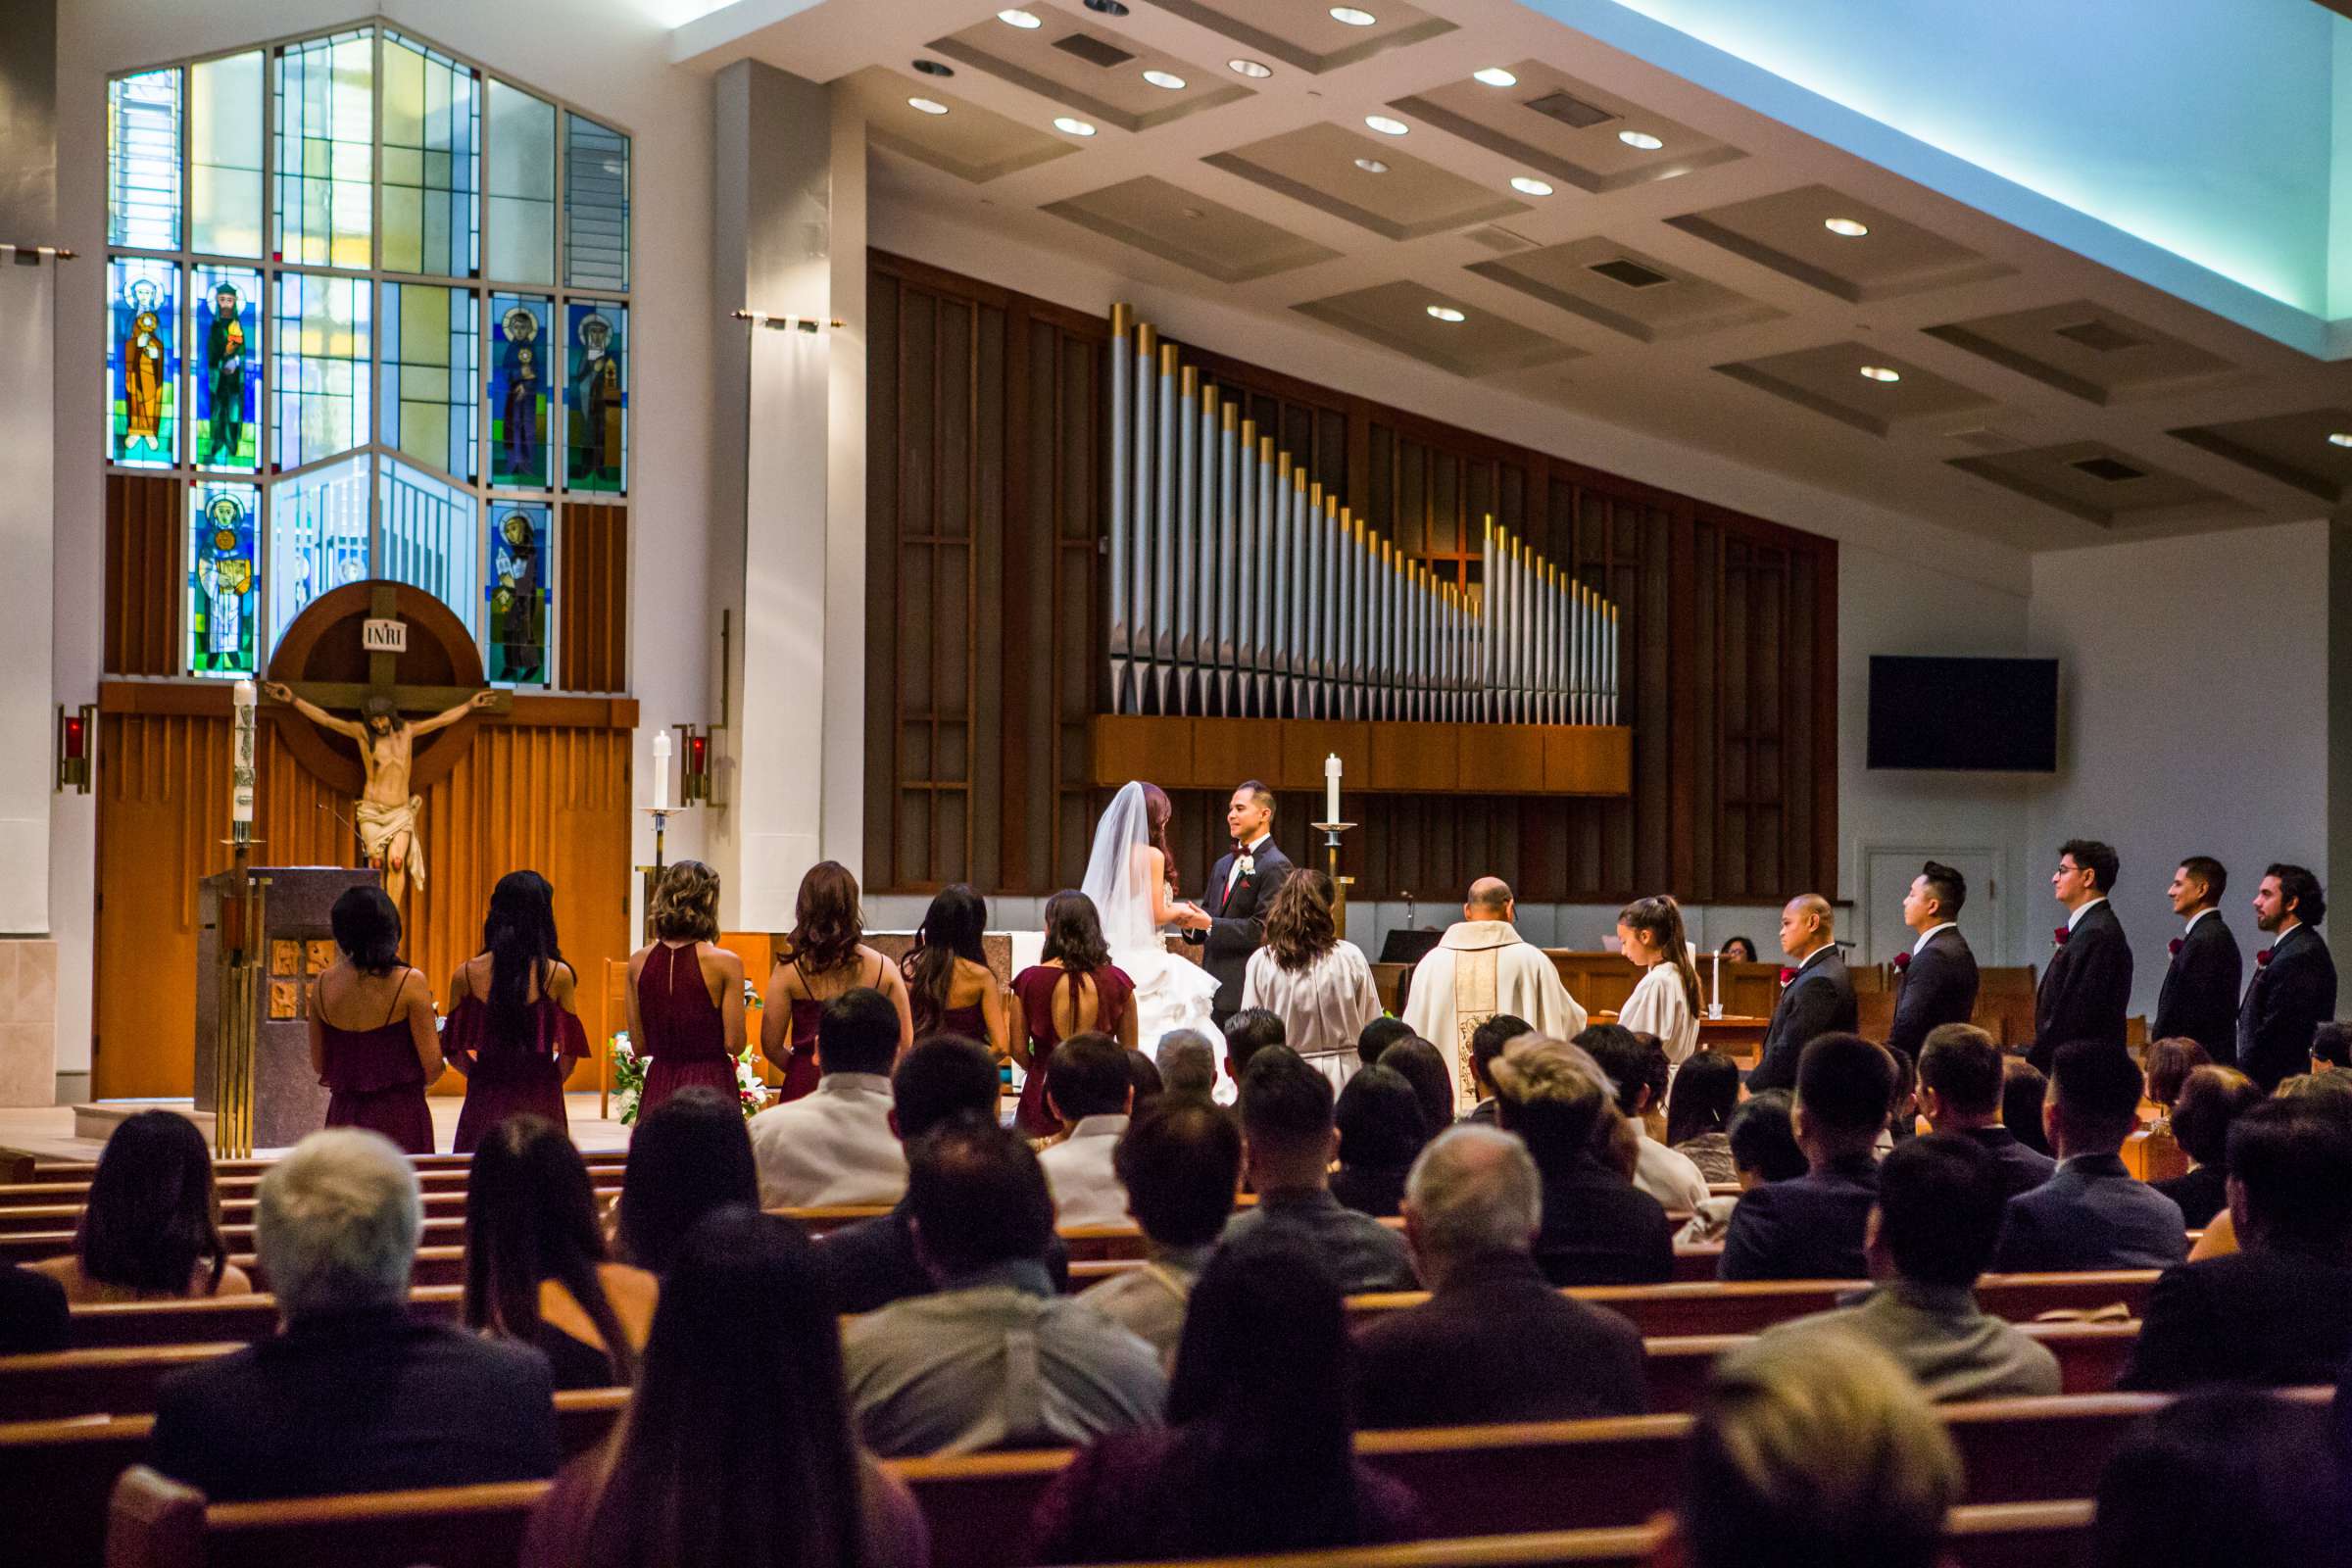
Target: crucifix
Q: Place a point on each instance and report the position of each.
(386, 813)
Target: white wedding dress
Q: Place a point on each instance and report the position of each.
(1170, 992)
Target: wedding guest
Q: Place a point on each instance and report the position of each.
(2023, 1088)
(1288, 1139)
(1089, 1093)
(733, 1457)
(1812, 1228)
(1246, 1033)
(1598, 1227)
(1763, 1141)
(2167, 1065)
(536, 1267)
(1670, 1178)
(1419, 1063)
(1181, 1163)
(826, 956)
(1378, 1036)
(2222, 1478)
(835, 1146)
(685, 992)
(513, 1028)
(1738, 950)
(1142, 1075)
(374, 1043)
(151, 1225)
(950, 988)
(1188, 1064)
(2093, 1214)
(1318, 984)
(2293, 989)
(2087, 986)
(34, 1314)
(1961, 1074)
(2205, 972)
(1698, 1115)
(1381, 1134)
(2211, 1100)
(1816, 995)
(1072, 989)
(689, 1157)
(1935, 980)
(2332, 1047)
(1666, 998)
(1489, 1041)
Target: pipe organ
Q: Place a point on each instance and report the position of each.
(1239, 587)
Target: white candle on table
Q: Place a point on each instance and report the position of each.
(240, 772)
(661, 770)
(1719, 982)
(1331, 788)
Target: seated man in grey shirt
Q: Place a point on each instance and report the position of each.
(1181, 1163)
(1289, 1140)
(993, 1359)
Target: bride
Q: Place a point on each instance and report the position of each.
(1127, 877)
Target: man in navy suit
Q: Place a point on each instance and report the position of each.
(2088, 983)
(1240, 888)
(2199, 999)
(1937, 980)
(1817, 998)
(1811, 1227)
(2093, 1214)
(2294, 978)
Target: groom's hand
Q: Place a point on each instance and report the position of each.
(1193, 918)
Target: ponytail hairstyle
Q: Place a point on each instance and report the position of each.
(518, 932)
(950, 930)
(1660, 919)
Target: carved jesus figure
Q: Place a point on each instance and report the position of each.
(385, 814)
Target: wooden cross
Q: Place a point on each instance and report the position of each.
(383, 677)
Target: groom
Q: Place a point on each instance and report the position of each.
(1238, 890)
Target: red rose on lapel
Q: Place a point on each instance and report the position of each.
(1787, 975)
(2262, 960)
(1903, 962)
(2062, 933)
(2174, 946)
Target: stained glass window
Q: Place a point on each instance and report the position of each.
(522, 387)
(224, 155)
(318, 536)
(596, 394)
(522, 567)
(224, 369)
(429, 338)
(596, 205)
(325, 150)
(522, 246)
(223, 577)
(142, 152)
(432, 139)
(319, 367)
(432, 537)
(142, 361)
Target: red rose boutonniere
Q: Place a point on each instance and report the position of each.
(1903, 962)
(2262, 960)
(2174, 946)
(2061, 934)
(1787, 975)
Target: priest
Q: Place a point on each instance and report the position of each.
(1480, 968)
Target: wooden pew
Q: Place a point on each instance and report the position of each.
(442, 1203)
(244, 1318)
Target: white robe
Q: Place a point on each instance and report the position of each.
(1480, 969)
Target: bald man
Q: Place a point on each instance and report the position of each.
(1480, 968)
(1817, 997)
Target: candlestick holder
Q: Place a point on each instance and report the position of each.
(650, 875)
(1339, 885)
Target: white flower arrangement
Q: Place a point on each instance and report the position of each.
(628, 1080)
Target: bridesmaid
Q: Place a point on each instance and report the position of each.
(1072, 989)
(826, 956)
(950, 987)
(373, 1039)
(685, 992)
(513, 1028)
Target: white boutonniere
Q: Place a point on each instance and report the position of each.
(1248, 863)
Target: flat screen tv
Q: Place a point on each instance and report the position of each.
(1994, 716)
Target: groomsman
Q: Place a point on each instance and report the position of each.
(2088, 983)
(1817, 995)
(1240, 888)
(2294, 979)
(2199, 999)
(1936, 981)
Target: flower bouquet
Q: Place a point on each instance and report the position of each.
(628, 1081)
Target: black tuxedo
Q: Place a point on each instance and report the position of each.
(2199, 1000)
(2086, 987)
(1938, 987)
(1237, 920)
(1820, 1000)
(2289, 998)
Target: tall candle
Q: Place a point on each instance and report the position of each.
(661, 770)
(1331, 788)
(240, 773)
(1719, 982)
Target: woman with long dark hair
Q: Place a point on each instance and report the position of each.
(1319, 986)
(1698, 1115)
(1259, 1453)
(536, 1268)
(826, 956)
(1072, 989)
(689, 1157)
(736, 1450)
(685, 992)
(374, 1037)
(1666, 999)
(512, 1029)
(1381, 1132)
(950, 988)
(151, 1227)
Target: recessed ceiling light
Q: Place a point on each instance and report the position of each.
(2340, 438)
(1494, 76)
(1642, 139)
(1075, 126)
(932, 67)
(1371, 165)
(929, 105)
(1164, 79)
(1526, 185)
(1016, 18)
(1255, 70)
(1352, 16)
(1444, 313)
(1880, 372)
(1385, 125)
(1109, 7)
(1850, 228)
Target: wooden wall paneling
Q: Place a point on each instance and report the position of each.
(592, 601)
(145, 573)
(1079, 686)
(885, 443)
(1706, 701)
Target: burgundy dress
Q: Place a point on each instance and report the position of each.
(507, 1077)
(1034, 988)
(807, 1011)
(376, 1080)
(685, 1034)
(970, 1022)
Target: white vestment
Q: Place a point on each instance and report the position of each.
(1482, 968)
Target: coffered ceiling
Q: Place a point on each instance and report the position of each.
(1712, 276)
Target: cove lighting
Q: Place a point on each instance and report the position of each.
(1350, 16)
(1444, 313)
(1494, 76)
(929, 105)
(1255, 70)
(1642, 139)
(1075, 126)
(1526, 186)
(1164, 79)
(1850, 228)
(1022, 20)
(1385, 125)
(1880, 372)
